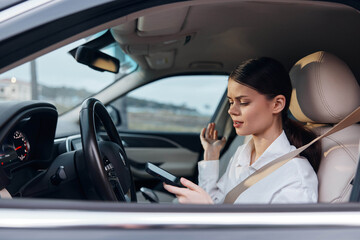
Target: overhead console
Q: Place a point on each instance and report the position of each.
(154, 37)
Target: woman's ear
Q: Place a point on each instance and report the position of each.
(279, 103)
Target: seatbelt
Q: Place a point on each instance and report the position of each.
(266, 170)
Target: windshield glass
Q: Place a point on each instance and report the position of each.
(59, 79)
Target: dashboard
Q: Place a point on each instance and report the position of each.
(26, 137)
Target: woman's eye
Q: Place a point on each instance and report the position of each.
(231, 103)
(244, 103)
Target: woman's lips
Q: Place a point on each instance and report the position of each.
(237, 124)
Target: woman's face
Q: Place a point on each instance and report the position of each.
(251, 112)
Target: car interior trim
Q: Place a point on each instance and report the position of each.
(14, 218)
(21, 8)
(69, 141)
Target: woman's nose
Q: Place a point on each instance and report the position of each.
(234, 110)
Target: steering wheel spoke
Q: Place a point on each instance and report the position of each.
(121, 196)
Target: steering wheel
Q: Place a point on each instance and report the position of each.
(106, 161)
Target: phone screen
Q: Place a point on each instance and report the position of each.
(162, 174)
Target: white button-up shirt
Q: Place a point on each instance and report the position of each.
(294, 182)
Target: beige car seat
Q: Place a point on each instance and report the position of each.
(324, 92)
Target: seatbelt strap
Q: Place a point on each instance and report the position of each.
(264, 171)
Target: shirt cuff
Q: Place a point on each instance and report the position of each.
(209, 168)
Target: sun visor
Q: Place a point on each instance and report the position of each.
(163, 23)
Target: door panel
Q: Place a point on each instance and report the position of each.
(178, 161)
(176, 154)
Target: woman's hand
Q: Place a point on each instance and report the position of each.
(192, 194)
(209, 140)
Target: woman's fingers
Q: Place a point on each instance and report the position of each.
(192, 194)
(180, 191)
(202, 133)
(207, 133)
(212, 127)
(174, 190)
(215, 135)
(190, 185)
(210, 131)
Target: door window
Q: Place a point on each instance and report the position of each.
(173, 104)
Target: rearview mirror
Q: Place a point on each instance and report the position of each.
(97, 60)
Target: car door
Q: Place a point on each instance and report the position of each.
(161, 122)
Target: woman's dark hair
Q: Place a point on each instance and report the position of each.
(268, 76)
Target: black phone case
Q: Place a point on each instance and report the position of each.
(176, 183)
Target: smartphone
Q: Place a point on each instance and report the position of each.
(163, 175)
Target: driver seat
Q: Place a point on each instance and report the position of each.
(324, 92)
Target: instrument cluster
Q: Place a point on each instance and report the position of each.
(16, 148)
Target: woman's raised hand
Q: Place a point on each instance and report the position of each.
(209, 140)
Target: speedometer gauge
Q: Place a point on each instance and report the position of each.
(15, 148)
(21, 145)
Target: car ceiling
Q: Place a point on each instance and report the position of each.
(215, 36)
(4, 4)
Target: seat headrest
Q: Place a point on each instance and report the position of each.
(324, 89)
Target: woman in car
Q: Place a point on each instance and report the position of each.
(259, 93)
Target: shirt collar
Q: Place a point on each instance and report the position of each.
(279, 147)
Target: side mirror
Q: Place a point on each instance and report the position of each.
(114, 114)
(97, 60)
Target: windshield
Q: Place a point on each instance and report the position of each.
(59, 79)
